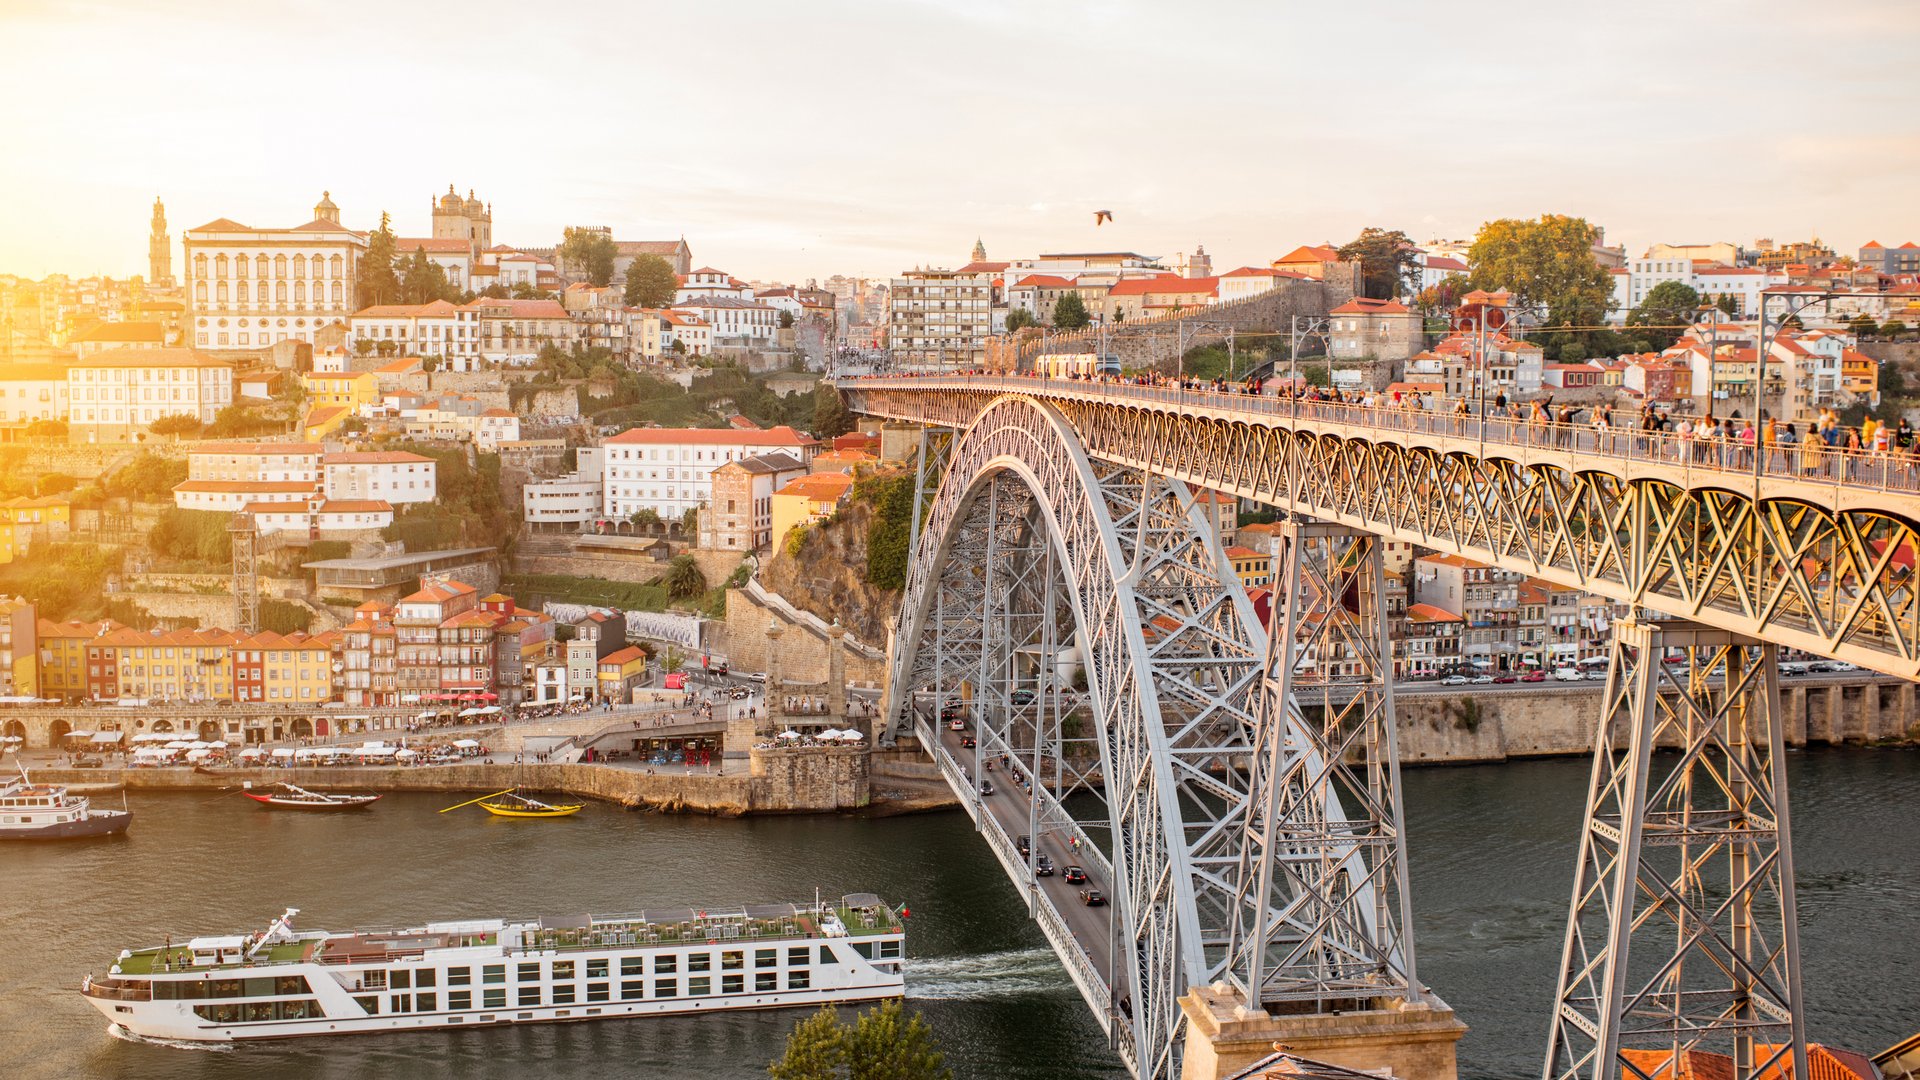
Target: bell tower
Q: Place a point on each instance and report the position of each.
(159, 249)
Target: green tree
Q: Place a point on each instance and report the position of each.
(362, 346)
(589, 253)
(1442, 296)
(1388, 261)
(1728, 304)
(690, 521)
(646, 518)
(816, 1049)
(890, 1043)
(830, 416)
(684, 579)
(1670, 303)
(147, 478)
(1019, 319)
(1070, 312)
(378, 281)
(786, 320)
(890, 530)
(1546, 263)
(1893, 328)
(176, 424)
(424, 281)
(54, 483)
(651, 282)
(47, 429)
(1863, 325)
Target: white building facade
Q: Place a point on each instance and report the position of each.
(113, 394)
(393, 476)
(670, 470)
(248, 288)
(438, 329)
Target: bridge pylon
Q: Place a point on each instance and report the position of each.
(1321, 954)
(1681, 933)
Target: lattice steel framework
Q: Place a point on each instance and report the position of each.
(246, 578)
(1323, 869)
(1172, 651)
(1824, 567)
(1682, 932)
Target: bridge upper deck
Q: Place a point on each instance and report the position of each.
(1834, 479)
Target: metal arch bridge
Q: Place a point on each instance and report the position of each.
(1072, 635)
(1810, 552)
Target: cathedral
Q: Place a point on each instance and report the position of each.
(466, 219)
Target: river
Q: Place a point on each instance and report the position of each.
(1492, 863)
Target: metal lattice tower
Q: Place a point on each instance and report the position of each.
(1681, 934)
(246, 579)
(1324, 914)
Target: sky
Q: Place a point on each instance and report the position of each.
(788, 141)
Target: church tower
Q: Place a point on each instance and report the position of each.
(159, 250)
(979, 250)
(466, 219)
(324, 210)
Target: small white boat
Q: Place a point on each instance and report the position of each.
(294, 797)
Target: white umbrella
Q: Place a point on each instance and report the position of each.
(177, 744)
(218, 744)
(251, 751)
(466, 744)
(197, 755)
(282, 752)
(407, 753)
(789, 734)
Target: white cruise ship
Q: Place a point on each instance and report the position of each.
(285, 982)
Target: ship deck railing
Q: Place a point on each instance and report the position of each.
(596, 932)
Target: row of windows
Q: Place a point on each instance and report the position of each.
(337, 294)
(330, 266)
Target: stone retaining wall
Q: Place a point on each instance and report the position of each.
(742, 639)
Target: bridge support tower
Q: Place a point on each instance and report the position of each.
(1681, 934)
(1323, 957)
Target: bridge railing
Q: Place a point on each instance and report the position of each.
(1726, 461)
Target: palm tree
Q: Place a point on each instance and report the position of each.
(684, 578)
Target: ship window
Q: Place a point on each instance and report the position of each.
(799, 980)
(493, 973)
(530, 972)
(666, 964)
(563, 969)
(400, 980)
(700, 961)
(424, 977)
(459, 999)
(699, 985)
(597, 969)
(732, 984)
(296, 1010)
(890, 948)
(398, 1003)
(426, 1002)
(373, 980)
(529, 995)
(634, 990)
(219, 1014)
(459, 976)
(731, 959)
(291, 984)
(766, 980)
(633, 965)
(826, 954)
(225, 988)
(597, 991)
(864, 948)
(492, 998)
(563, 995)
(797, 956)
(370, 1004)
(666, 988)
(765, 957)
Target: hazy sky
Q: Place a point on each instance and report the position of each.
(787, 140)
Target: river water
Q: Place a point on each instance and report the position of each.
(1492, 864)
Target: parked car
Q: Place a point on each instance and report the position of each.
(1454, 680)
(1043, 866)
(1534, 676)
(1481, 680)
(1074, 876)
(1504, 679)
(757, 676)
(1093, 898)
(1842, 665)
(1600, 675)
(1566, 674)
(1821, 666)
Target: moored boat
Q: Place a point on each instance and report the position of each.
(512, 804)
(283, 983)
(30, 811)
(294, 797)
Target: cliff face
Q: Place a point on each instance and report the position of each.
(828, 577)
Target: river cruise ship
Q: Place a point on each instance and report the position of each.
(285, 982)
(30, 811)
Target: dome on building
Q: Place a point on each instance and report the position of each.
(450, 201)
(325, 210)
(474, 206)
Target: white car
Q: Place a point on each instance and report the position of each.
(1482, 680)
(1566, 674)
(1596, 676)
(1454, 680)
(1842, 665)
(757, 676)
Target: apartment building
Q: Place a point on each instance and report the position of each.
(670, 470)
(940, 317)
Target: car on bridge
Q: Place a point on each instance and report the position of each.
(1074, 876)
(1025, 844)
(1043, 865)
(1093, 898)
(1021, 697)
(986, 788)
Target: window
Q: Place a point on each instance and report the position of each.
(733, 984)
(493, 997)
(700, 962)
(563, 969)
(699, 985)
(666, 988)
(799, 980)
(530, 995)
(595, 991)
(530, 972)
(797, 956)
(666, 964)
(633, 990)
(633, 965)
(493, 973)
(764, 981)
(766, 957)
(731, 960)
(399, 980)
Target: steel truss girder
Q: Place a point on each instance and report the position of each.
(1173, 654)
(1681, 933)
(1326, 900)
(1773, 561)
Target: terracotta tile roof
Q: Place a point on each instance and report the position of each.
(1429, 613)
(437, 309)
(518, 309)
(776, 436)
(124, 331)
(1310, 253)
(819, 487)
(154, 358)
(1236, 552)
(220, 224)
(1043, 281)
(356, 506)
(1361, 305)
(499, 412)
(1155, 286)
(623, 657)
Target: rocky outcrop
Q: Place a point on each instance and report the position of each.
(828, 577)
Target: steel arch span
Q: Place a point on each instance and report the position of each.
(1030, 544)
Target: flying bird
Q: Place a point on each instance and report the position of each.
(1101, 217)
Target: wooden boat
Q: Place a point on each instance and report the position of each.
(294, 797)
(512, 804)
